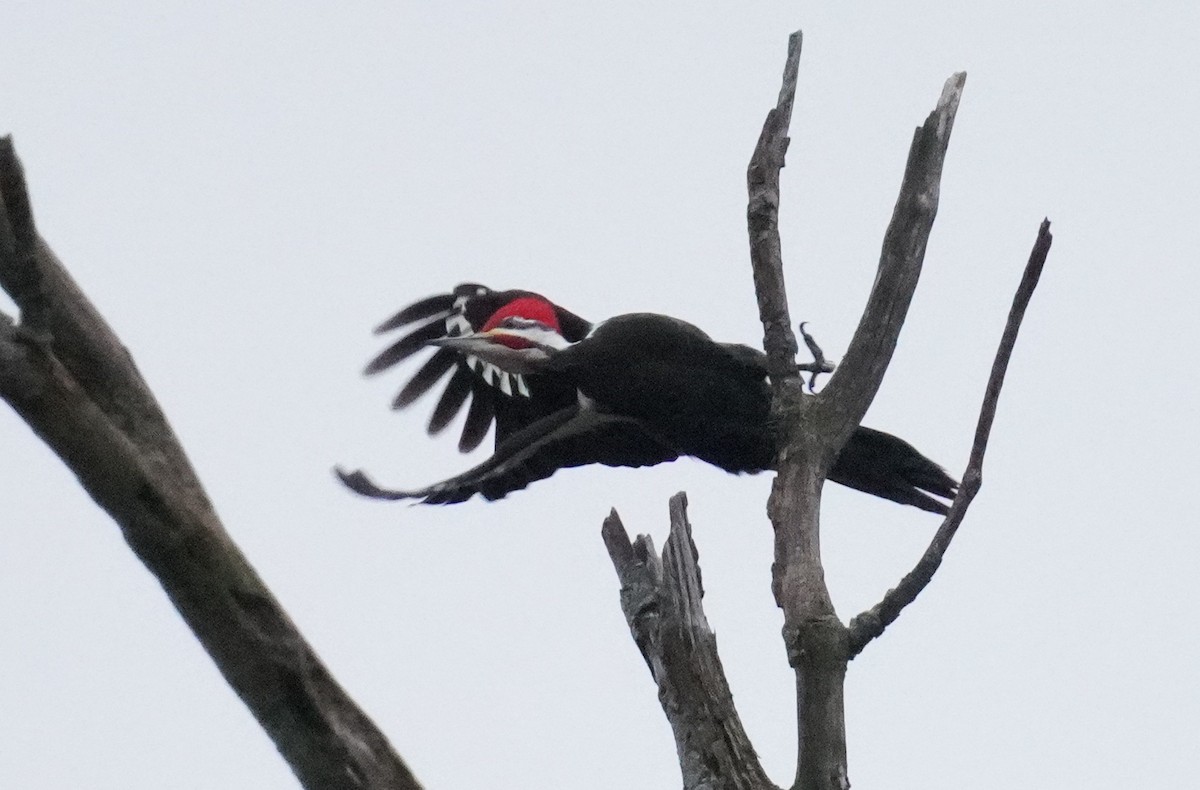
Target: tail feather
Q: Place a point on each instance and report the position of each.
(883, 465)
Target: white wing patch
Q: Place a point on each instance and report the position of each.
(457, 324)
(508, 383)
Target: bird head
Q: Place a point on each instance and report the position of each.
(517, 338)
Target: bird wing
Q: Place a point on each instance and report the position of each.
(573, 436)
(510, 401)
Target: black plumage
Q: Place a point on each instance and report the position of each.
(635, 390)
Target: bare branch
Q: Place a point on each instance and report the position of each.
(68, 376)
(19, 274)
(762, 217)
(661, 599)
(872, 622)
(52, 303)
(853, 385)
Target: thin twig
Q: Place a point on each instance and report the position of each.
(872, 622)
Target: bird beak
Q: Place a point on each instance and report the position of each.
(476, 343)
(490, 347)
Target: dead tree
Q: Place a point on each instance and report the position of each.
(69, 377)
(661, 596)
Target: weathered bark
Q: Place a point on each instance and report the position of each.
(813, 635)
(813, 429)
(762, 218)
(661, 598)
(68, 376)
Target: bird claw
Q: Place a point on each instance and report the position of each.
(819, 364)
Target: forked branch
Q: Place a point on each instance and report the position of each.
(812, 430)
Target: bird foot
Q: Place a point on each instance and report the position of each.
(819, 364)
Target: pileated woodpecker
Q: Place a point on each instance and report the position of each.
(635, 390)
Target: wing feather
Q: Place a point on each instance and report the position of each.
(426, 308)
(406, 346)
(508, 401)
(480, 416)
(452, 400)
(426, 377)
(570, 437)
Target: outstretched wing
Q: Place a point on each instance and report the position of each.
(510, 401)
(573, 436)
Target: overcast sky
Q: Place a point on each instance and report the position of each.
(245, 194)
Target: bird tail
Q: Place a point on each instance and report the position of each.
(886, 466)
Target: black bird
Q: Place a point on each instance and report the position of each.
(635, 390)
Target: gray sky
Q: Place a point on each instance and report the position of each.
(246, 193)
